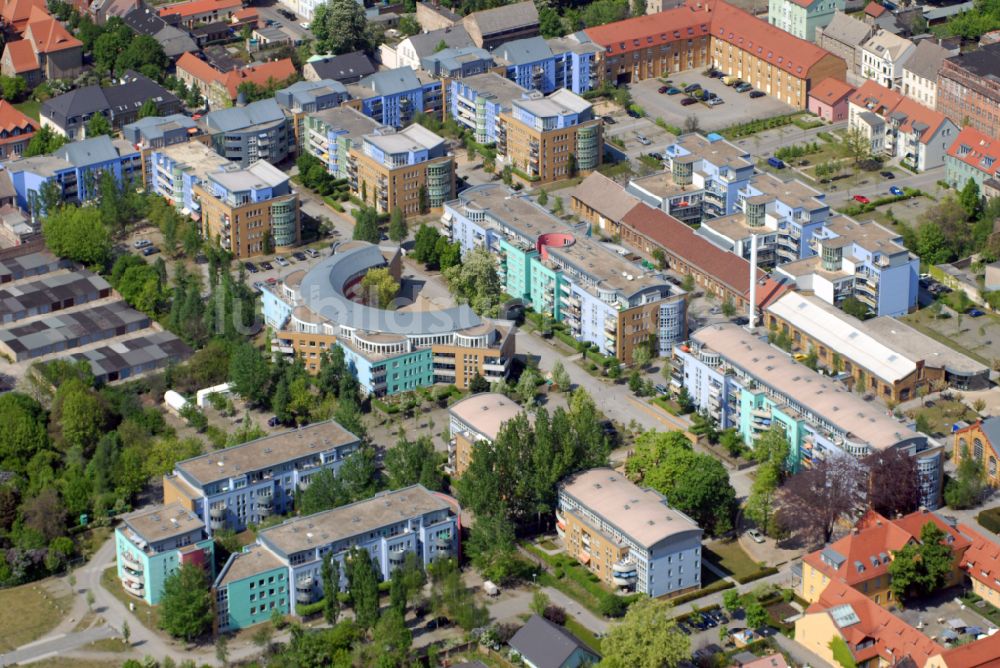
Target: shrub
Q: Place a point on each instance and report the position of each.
(756, 575)
(555, 614)
(612, 606)
(990, 519)
(309, 609)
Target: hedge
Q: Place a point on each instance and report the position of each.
(309, 609)
(756, 575)
(388, 409)
(718, 585)
(601, 600)
(990, 519)
(567, 339)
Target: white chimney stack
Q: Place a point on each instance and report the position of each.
(752, 315)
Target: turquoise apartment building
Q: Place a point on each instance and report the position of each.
(251, 586)
(802, 17)
(151, 544)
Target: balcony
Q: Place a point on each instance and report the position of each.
(496, 367)
(397, 558)
(130, 562)
(133, 587)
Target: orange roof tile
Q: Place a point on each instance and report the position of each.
(277, 70)
(874, 9)
(914, 523)
(982, 559)
(768, 292)
(22, 56)
(12, 119)
(876, 97)
(765, 41)
(882, 101)
(198, 68)
(651, 30)
(246, 13)
(983, 653)
(871, 544)
(196, 7)
(917, 113)
(831, 90)
(18, 12)
(49, 36)
(976, 149)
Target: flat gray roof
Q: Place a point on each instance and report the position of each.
(322, 290)
(18, 299)
(61, 327)
(485, 413)
(30, 264)
(267, 452)
(330, 526)
(160, 522)
(492, 86)
(242, 565)
(908, 341)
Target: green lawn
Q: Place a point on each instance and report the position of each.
(583, 633)
(145, 613)
(943, 414)
(30, 108)
(730, 557)
(29, 612)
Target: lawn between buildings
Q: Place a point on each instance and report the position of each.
(30, 611)
(148, 616)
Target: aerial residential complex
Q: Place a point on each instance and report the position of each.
(331, 136)
(476, 419)
(282, 568)
(389, 351)
(243, 485)
(561, 271)
(743, 382)
(628, 536)
(478, 101)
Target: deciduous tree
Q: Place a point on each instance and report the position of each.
(186, 605)
(646, 638)
(814, 500)
(78, 233)
(893, 484)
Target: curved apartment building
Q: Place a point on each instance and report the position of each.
(389, 350)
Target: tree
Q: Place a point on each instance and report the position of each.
(148, 108)
(412, 462)
(186, 605)
(549, 23)
(330, 576)
(98, 125)
(323, 492)
(78, 233)
(340, 26)
(79, 416)
(222, 649)
(23, 434)
(527, 387)
(855, 307)
(756, 615)
(493, 547)
(560, 376)
(543, 199)
(450, 598)
(641, 356)
(126, 632)
(249, 373)
(893, 484)
(390, 644)
(478, 384)
(476, 281)
(12, 88)
(970, 199)
(814, 500)
(43, 142)
(858, 146)
(921, 568)
(366, 224)
(646, 638)
(363, 587)
(731, 601)
(539, 601)
(771, 451)
(45, 514)
(397, 225)
(966, 488)
(423, 203)
(660, 258)
(380, 287)
(425, 245)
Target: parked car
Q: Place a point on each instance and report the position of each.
(610, 120)
(777, 163)
(662, 89)
(251, 267)
(754, 94)
(756, 535)
(716, 74)
(743, 87)
(281, 262)
(642, 139)
(272, 281)
(896, 190)
(633, 113)
(304, 25)
(287, 14)
(311, 252)
(715, 101)
(273, 421)
(142, 243)
(673, 91)
(731, 80)
(662, 389)
(150, 250)
(266, 266)
(299, 255)
(975, 313)
(862, 199)
(886, 174)
(688, 101)
(692, 88)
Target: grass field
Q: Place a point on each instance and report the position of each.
(28, 612)
(146, 614)
(943, 414)
(65, 662)
(730, 557)
(30, 108)
(583, 633)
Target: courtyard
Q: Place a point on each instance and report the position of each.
(944, 618)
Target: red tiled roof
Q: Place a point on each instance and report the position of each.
(198, 68)
(982, 559)
(651, 30)
(774, 660)
(196, 7)
(246, 13)
(765, 41)
(893, 638)
(22, 56)
(277, 70)
(768, 292)
(918, 113)
(882, 101)
(676, 237)
(805, 4)
(49, 36)
(875, 536)
(875, 97)
(12, 119)
(18, 12)
(975, 149)
(914, 523)
(874, 9)
(983, 653)
(831, 90)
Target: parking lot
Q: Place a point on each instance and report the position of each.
(736, 107)
(629, 130)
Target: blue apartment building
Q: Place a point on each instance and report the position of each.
(152, 543)
(331, 134)
(160, 131)
(259, 131)
(548, 65)
(283, 568)
(457, 62)
(244, 485)
(74, 168)
(172, 172)
(393, 97)
(477, 102)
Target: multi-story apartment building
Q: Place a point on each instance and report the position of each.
(743, 382)
(888, 357)
(476, 419)
(246, 484)
(477, 102)
(702, 180)
(221, 89)
(394, 97)
(549, 138)
(389, 351)
(883, 57)
(968, 90)
(548, 65)
(802, 18)
(259, 131)
(332, 135)
(154, 132)
(628, 536)
(249, 211)
(283, 567)
(843, 38)
(309, 97)
(719, 35)
(409, 169)
(173, 171)
(561, 271)
(152, 543)
(782, 215)
(974, 155)
(463, 61)
(865, 261)
(74, 169)
(920, 72)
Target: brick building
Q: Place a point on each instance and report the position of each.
(968, 89)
